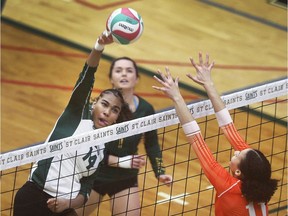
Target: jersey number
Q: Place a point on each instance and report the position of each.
(91, 158)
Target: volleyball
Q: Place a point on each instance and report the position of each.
(125, 25)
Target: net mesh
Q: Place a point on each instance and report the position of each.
(259, 114)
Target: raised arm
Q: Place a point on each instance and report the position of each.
(203, 77)
(78, 104)
(171, 89)
(213, 170)
(95, 54)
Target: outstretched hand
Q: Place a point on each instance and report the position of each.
(203, 70)
(169, 85)
(105, 38)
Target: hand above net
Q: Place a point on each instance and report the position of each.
(104, 39)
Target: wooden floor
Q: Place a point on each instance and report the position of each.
(44, 44)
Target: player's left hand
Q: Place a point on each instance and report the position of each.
(166, 179)
(58, 205)
(138, 161)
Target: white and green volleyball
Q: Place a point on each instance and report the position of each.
(125, 25)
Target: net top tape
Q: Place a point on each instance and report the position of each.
(159, 120)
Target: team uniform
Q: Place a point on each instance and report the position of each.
(66, 175)
(229, 199)
(111, 180)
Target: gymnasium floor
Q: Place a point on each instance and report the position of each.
(44, 44)
(247, 41)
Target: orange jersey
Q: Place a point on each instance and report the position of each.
(229, 199)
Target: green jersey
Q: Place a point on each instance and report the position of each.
(129, 146)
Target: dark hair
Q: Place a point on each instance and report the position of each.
(257, 185)
(123, 58)
(125, 113)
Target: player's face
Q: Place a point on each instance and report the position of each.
(106, 110)
(124, 75)
(236, 159)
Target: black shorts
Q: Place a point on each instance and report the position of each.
(31, 200)
(111, 188)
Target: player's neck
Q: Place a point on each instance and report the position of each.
(131, 99)
(128, 95)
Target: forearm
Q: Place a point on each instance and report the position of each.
(122, 162)
(182, 110)
(113, 160)
(234, 137)
(214, 97)
(77, 202)
(156, 160)
(94, 58)
(96, 52)
(127, 162)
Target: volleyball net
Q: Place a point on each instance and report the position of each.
(259, 113)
